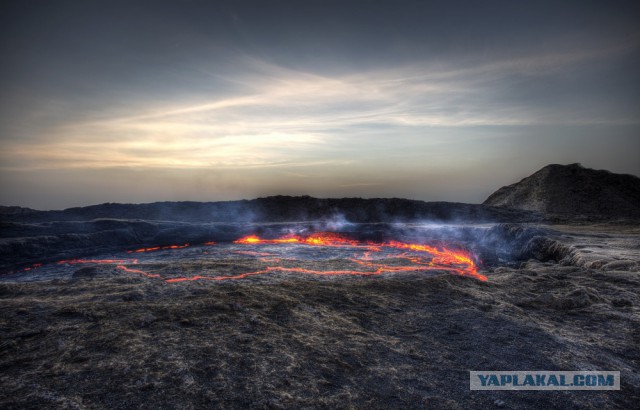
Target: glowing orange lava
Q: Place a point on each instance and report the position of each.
(138, 271)
(320, 238)
(162, 248)
(34, 266)
(420, 258)
(457, 261)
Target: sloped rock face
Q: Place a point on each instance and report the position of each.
(573, 190)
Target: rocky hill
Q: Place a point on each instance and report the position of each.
(572, 190)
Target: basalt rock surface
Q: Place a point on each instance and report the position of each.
(573, 192)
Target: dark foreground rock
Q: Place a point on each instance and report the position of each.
(101, 341)
(565, 298)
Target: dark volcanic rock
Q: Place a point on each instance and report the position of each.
(405, 341)
(282, 209)
(572, 190)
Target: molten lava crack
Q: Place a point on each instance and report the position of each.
(368, 258)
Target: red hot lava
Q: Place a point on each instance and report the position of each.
(162, 248)
(420, 257)
(457, 261)
(320, 238)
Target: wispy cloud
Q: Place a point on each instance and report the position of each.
(284, 117)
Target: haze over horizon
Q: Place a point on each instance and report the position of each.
(143, 101)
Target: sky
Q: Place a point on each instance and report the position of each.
(143, 101)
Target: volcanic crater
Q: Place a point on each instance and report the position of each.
(304, 302)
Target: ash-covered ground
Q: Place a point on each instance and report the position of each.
(93, 335)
